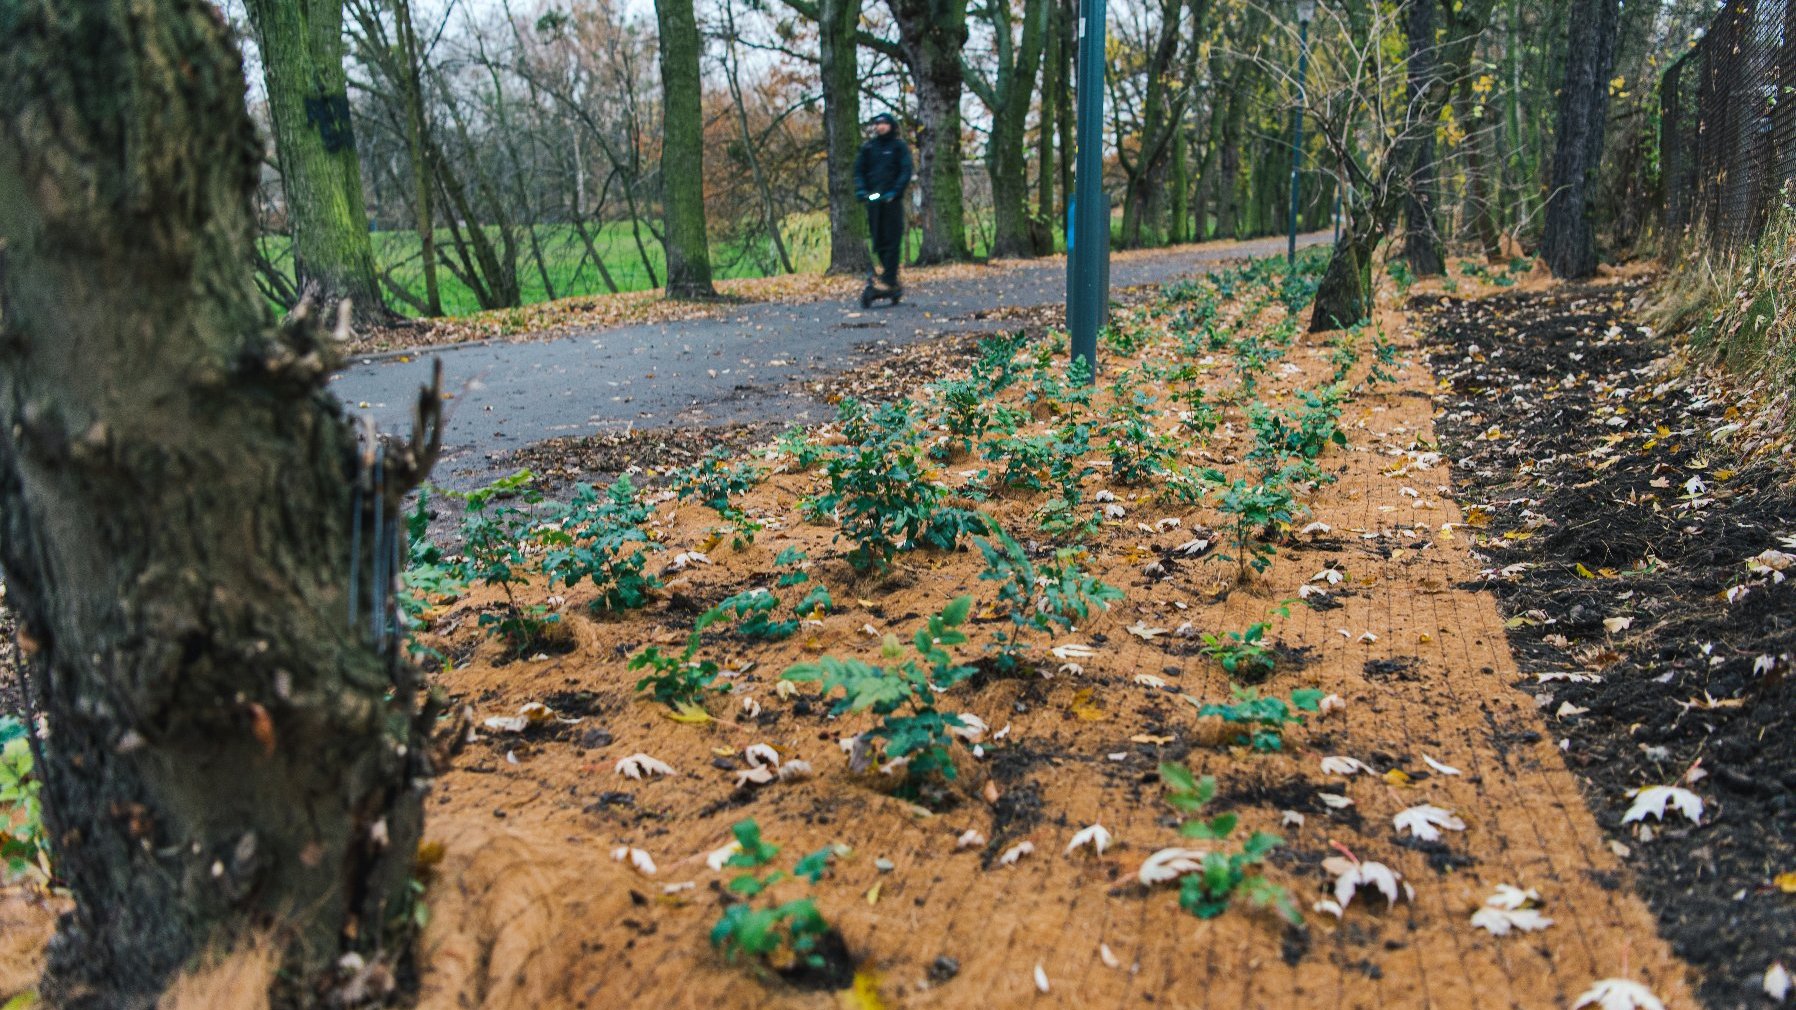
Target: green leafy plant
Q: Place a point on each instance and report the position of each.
(494, 530)
(1056, 594)
(599, 538)
(1279, 435)
(428, 580)
(1255, 511)
(1222, 876)
(24, 845)
(1243, 655)
(879, 490)
(681, 680)
(997, 368)
(791, 931)
(1264, 718)
(714, 481)
(795, 444)
(903, 695)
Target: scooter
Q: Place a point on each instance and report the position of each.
(877, 292)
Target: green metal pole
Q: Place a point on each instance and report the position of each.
(1303, 68)
(1088, 227)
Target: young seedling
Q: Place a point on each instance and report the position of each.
(1256, 511)
(1222, 876)
(1264, 717)
(599, 539)
(493, 533)
(24, 844)
(916, 734)
(1058, 594)
(1243, 655)
(780, 937)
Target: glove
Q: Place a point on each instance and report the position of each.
(887, 197)
(860, 194)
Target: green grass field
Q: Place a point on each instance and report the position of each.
(570, 268)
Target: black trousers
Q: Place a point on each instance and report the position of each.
(885, 223)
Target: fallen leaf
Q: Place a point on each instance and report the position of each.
(1425, 821)
(1619, 994)
(639, 860)
(638, 766)
(1654, 799)
(1095, 836)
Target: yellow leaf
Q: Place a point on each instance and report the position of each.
(1396, 777)
(1518, 534)
(863, 994)
(873, 893)
(1086, 709)
(1584, 573)
(23, 1001)
(710, 543)
(1786, 882)
(689, 714)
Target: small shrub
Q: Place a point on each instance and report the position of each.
(1224, 876)
(1243, 655)
(915, 733)
(1265, 718)
(599, 538)
(781, 936)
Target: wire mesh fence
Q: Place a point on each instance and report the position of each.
(1727, 144)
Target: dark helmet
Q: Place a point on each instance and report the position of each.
(884, 117)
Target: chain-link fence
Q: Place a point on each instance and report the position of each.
(1727, 140)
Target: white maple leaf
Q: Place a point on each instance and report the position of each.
(639, 860)
(1425, 820)
(1503, 921)
(1114, 511)
(1511, 897)
(1351, 877)
(1149, 680)
(1337, 765)
(1095, 836)
(969, 839)
(1170, 864)
(1015, 852)
(1140, 630)
(639, 766)
(972, 729)
(1777, 982)
(1619, 994)
(1330, 576)
(796, 770)
(759, 754)
(1437, 766)
(1654, 799)
(759, 775)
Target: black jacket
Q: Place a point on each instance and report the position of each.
(882, 167)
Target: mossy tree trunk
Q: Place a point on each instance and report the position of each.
(1007, 94)
(932, 34)
(301, 46)
(1421, 236)
(226, 755)
(683, 153)
(838, 51)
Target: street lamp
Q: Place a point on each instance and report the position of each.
(1306, 9)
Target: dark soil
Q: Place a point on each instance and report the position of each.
(1597, 488)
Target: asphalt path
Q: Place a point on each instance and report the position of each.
(752, 364)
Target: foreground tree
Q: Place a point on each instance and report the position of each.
(1569, 244)
(227, 755)
(301, 46)
(683, 153)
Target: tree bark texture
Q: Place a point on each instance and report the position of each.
(301, 47)
(683, 153)
(225, 753)
(1008, 97)
(839, 54)
(932, 34)
(1421, 238)
(1569, 244)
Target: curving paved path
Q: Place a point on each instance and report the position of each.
(748, 366)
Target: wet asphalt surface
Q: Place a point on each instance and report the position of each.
(753, 364)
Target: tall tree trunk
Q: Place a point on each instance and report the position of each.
(932, 34)
(1569, 245)
(1228, 176)
(683, 153)
(769, 208)
(1421, 239)
(228, 755)
(1008, 96)
(1053, 70)
(1009, 100)
(838, 51)
(321, 180)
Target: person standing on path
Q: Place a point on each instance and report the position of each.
(881, 172)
